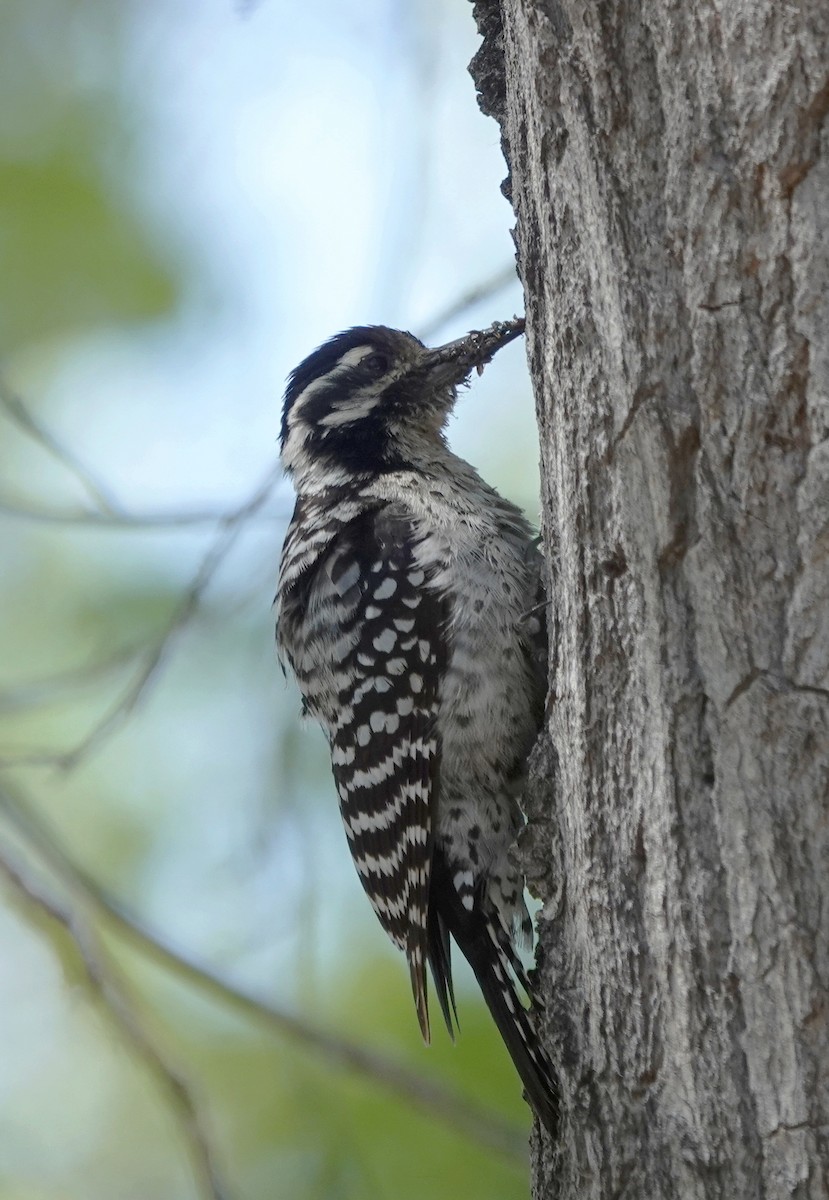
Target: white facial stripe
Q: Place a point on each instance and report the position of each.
(350, 359)
(358, 406)
(303, 398)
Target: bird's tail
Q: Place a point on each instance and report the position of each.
(486, 946)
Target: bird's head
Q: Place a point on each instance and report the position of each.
(372, 399)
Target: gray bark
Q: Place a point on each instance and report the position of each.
(670, 176)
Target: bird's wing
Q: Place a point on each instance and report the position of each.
(389, 656)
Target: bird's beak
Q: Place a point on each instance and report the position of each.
(450, 364)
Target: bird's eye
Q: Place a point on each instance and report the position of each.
(376, 363)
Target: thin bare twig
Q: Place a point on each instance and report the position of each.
(32, 693)
(468, 299)
(231, 526)
(109, 514)
(22, 416)
(435, 1100)
(124, 519)
(113, 995)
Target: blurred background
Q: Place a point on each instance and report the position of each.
(195, 997)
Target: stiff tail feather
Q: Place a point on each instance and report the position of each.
(480, 939)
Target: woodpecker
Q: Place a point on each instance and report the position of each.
(409, 609)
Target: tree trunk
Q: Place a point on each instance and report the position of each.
(670, 176)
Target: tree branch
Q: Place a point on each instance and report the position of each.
(481, 291)
(112, 994)
(25, 420)
(231, 526)
(31, 693)
(436, 1101)
(124, 519)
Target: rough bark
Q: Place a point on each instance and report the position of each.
(670, 176)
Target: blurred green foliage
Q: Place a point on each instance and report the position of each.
(84, 260)
(73, 253)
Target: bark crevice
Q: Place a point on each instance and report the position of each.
(669, 173)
